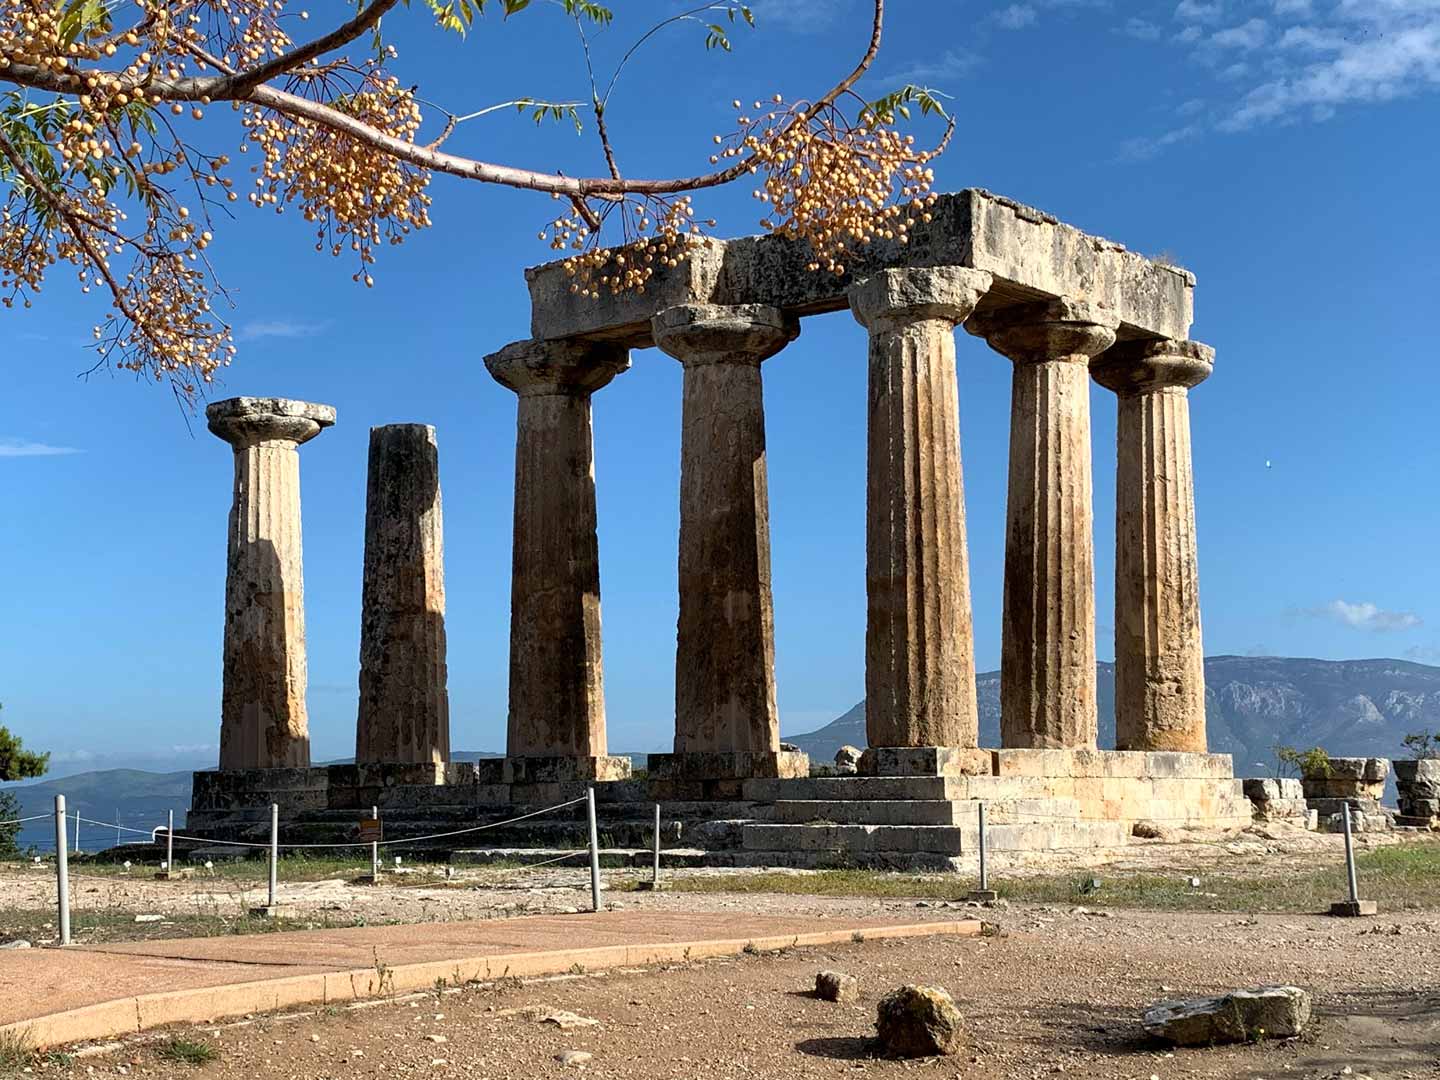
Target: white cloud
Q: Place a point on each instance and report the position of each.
(954, 64)
(1366, 616)
(1292, 7)
(1140, 30)
(280, 328)
(1311, 38)
(1144, 148)
(18, 448)
(1016, 16)
(1191, 107)
(1245, 37)
(1206, 11)
(799, 16)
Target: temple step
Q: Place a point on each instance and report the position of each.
(919, 811)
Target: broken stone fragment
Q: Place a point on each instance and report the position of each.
(1268, 1012)
(848, 757)
(919, 1021)
(835, 986)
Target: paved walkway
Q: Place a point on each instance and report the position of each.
(67, 995)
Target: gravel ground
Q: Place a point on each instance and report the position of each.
(106, 904)
(1057, 992)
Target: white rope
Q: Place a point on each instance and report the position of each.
(331, 847)
(26, 820)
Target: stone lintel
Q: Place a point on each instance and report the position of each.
(1138, 764)
(248, 421)
(728, 765)
(552, 770)
(925, 761)
(1138, 367)
(717, 333)
(539, 368)
(1031, 255)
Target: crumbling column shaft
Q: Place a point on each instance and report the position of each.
(557, 690)
(919, 640)
(1047, 660)
(1159, 657)
(263, 722)
(404, 713)
(725, 649)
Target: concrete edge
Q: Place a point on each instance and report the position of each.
(132, 1015)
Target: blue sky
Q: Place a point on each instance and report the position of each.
(1283, 150)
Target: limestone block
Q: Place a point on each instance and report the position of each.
(737, 765)
(1268, 1012)
(1372, 770)
(925, 761)
(919, 1021)
(1418, 779)
(837, 987)
(1259, 789)
(1341, 789)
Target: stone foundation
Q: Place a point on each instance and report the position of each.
(1280, 800)
(1356, 782)
(1418, 784)
(706, 776)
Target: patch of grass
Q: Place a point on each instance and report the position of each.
(186, 1051)
(16, 1053)
(1400, 876)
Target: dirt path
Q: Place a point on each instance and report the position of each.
(1059, 992)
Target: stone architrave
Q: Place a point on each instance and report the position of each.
(557, 689)
(725, 652)
(919, 638)
(1159, 660)
(1047, 660)
(263, 721)
(404, 713)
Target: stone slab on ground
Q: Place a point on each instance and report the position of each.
(1268, 1012)
(57, 996)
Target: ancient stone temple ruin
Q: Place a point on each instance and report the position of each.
(1063, 307)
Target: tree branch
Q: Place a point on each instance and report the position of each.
(234, 86)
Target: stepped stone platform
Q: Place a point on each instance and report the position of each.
(916, 808)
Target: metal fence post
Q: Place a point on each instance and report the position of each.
(656, 881)
(375, 850)
(594, 850)
(1354, 906)
(62, 869)
(274, 850)
(170, 844)
(77, 832)
(984, 892)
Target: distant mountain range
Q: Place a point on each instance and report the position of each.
(1350, 707)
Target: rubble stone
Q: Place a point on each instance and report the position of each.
(835, 986)
(919, 1021)
(1268, 1012)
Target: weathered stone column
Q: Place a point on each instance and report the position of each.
(726, 723)
(263, 722)
(1159, 660)
(404, 714)
(919, 640)
(1047, 664)
(557, 689)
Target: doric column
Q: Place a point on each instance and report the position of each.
(725, 655)
(404, 706)
(1047, 660)
(1159, 660)
(919, 641)
(263, 723)
(557, 689)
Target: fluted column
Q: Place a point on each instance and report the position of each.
(725, 651)
(919, 640)
(557, 687)
(263, 721)
(1159, 659)
(404, 713)
(1047, 660)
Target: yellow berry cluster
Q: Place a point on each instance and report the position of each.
(656, 232)
(834, 184)
(357, 198)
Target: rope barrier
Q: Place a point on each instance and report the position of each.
(26, 820)
(338, 845)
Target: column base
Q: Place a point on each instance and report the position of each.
(925, 761)
(698, 776)
(1355, 908)
(552, 770)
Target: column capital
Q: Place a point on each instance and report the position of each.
(923, 292)
(715, 333)
(538, 368)
(248, 421)
(1058, 329)
(1140, 367)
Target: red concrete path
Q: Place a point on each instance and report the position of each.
(90, 992)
